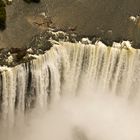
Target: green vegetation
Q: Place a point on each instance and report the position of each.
(29, 1)
(2, 15)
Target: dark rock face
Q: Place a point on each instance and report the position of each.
(42, 42)
(29, 1)
(2, 15)
(38, 45)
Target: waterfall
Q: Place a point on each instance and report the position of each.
(67, 70)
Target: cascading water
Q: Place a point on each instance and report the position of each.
(69, 70)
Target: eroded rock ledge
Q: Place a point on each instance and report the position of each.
(42, 42)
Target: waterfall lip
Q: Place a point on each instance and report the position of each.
(75, 65)
(123, 45)
(4, 68)
(100, 43)
(43, 42)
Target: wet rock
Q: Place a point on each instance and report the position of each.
(126, 44)
(10, 60)
(9, 2)
(59, 35)
(41, 42)
(30, 51)
(86, 41)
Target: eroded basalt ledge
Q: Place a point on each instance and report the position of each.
(43, 42)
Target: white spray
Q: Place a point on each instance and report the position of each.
(91, 92)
